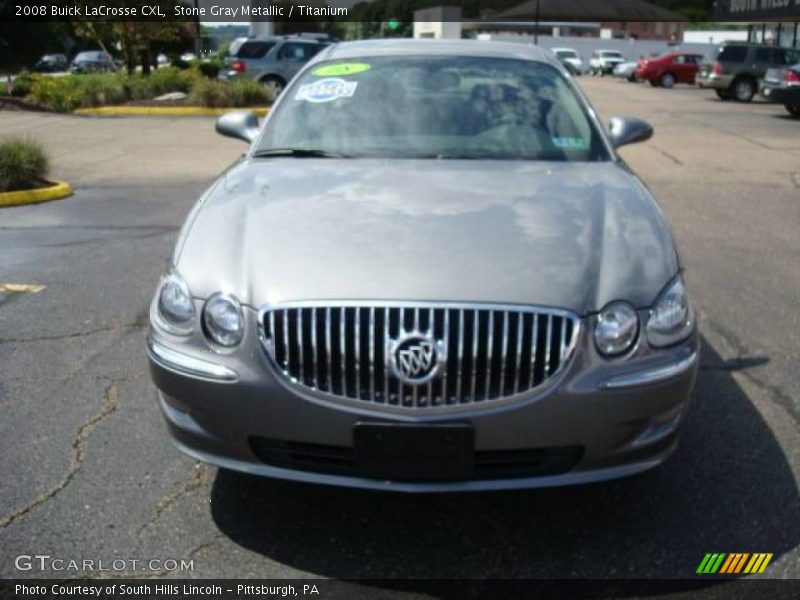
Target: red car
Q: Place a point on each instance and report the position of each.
(672, 68)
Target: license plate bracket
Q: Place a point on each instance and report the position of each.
(409, 452)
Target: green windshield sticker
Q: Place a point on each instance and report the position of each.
(340, 69)
(568, 143)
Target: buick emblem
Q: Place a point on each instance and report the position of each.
(415, 358)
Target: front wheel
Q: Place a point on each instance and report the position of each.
(793, 108)
(724, 94)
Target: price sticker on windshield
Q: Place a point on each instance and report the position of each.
(326, 90)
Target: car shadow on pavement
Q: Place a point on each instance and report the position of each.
(728, 488)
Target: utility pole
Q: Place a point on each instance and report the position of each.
(197, 42)
(536, 26)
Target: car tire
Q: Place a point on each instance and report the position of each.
(667, 80)
(793, 109)
(632, 78)
(724, 94)
(275, 84)
(743, 89)
(654, 82)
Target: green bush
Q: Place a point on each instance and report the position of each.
(210, 68)
(67, 93)
(70, 92)
(64, 94)
(23, 83)
(159, 82)
(23, 165)
(227, 94)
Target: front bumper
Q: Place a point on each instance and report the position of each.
(602, 420)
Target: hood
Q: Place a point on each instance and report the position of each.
(568, 235)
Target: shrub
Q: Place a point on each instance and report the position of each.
(23, 165)
(23, 83)
(159, 82)
(226, 94)
(64, 94)
(67, 93)
(210, 68)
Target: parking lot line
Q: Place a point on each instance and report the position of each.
(31, 288)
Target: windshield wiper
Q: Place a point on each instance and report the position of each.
(298, 153)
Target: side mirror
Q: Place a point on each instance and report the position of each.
(242, 125)
(628, 130)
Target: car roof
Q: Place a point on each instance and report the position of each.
(280, 38)
(408, 47)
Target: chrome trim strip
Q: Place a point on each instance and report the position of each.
(328, 346)
(315, 366)
(386, 339)
(357, 345)
(300, 348)
(548, 339)
(534, 346)
(343, 348)
(183, 364)
(649, 376)
(372, 352)
(489, 357)
(520, 330)
(473, 391)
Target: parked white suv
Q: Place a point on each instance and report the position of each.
(571, 60)
(604, 61)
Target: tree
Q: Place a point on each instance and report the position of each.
(136, 39)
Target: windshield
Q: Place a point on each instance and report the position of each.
(566, 54)
(434, 107)
(609, 54)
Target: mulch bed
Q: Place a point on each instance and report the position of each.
(14, 103)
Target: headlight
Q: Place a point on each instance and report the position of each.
(671, 318)
(175, 306)
(616, 329)
(223, 321)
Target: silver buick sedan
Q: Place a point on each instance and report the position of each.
(430, 272)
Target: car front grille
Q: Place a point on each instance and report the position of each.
(489, 352)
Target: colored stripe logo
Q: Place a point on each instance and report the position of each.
(734, 563)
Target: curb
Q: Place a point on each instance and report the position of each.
(162, 111)
(56, 191)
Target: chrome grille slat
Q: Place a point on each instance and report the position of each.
(518, 367)
(386, 339)
(473, 390)
(492, 352)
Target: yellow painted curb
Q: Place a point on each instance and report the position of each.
(163, 111)
(57, 191)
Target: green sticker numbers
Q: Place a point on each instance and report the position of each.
(339, 69)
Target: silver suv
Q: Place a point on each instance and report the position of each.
(272, 61)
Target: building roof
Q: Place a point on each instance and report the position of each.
(594, 10)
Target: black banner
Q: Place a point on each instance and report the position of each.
(756, 10)
(715, 588)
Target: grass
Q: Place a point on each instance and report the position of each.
(23, 165)
(70, 92)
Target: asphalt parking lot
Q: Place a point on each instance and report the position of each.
(88, 470)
